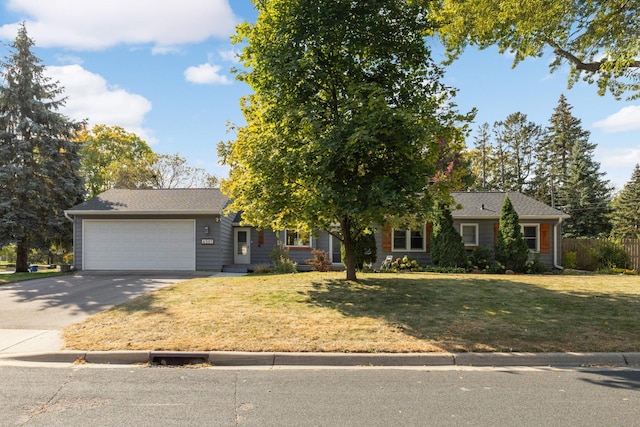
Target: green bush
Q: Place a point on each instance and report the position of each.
(511, 249)
(536, 266)
(480, 258)
(404, 264)
(281, 261)
(570, 260)
(447, 247)
(607, 255)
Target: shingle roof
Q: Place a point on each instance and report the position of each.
(174, 201)
(489, 205)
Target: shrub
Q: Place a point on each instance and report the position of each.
(281, 261)
(263, 268)
(536, 266)
(511, 249)
(447, 247)
(480, 258)
(320, 260)
(405, 264)
(607, 255)
(570, 260)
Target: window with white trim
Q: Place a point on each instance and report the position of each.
(297, 238)
(409, 240)
(470, 235)
(531, 233)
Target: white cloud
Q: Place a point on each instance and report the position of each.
(95, 25)
(624, 120)
(206, 74)
(90, 97)
(230, 55)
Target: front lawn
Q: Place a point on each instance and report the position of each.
(413, 312)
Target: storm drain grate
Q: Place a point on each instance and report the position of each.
(176, 359)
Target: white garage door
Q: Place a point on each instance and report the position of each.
(139, 245)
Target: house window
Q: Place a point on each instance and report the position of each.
(410, 240)
(531, 233)
(469, 233)
(297, 238)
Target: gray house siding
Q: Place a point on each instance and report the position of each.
(77, 243)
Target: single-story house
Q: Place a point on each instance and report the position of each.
(187, 229)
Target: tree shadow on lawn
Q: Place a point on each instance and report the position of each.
(489, 314)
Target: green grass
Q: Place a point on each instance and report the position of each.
(19, 277)
(380, 313)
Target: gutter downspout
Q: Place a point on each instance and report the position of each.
(555, 252)
(66, 215)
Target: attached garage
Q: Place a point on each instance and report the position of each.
(152, 230)
(139, 245)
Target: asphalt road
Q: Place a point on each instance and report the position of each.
(53, 303)
(154, 396)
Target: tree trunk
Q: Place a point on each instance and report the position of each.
(349, 250)
(22, 256)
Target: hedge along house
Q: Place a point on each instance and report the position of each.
(477, 218)
(187, 229)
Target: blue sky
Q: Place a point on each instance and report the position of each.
(161, 70)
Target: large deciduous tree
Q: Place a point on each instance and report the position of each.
(599, 39)
(173, 171)
(345, 119)
(39, 165)
(115, 158)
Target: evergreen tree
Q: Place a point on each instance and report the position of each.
(585, 194)
(511, 249)
(625, 218)
(39, 164)
(447, 247)
(482, 160)
(554, 152)
(516, 140)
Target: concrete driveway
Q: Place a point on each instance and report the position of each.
(33, 312)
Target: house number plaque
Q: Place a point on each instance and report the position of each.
(206, 242)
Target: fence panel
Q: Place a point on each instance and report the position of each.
(583, 247)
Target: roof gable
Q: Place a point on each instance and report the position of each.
(489, 205)
(172, 201)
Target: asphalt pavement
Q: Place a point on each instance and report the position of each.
(32, 314)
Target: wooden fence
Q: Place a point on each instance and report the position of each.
(584, 249)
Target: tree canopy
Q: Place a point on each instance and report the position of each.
(599, 39)
(625, 218)
(347, 119)
(114, 158)
(39, 163)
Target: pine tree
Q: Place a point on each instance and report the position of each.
(482, 160)
(554, 152)
(38, 162)
(511, 249)
(625, 218)
(516, 140)
(585, 194)
(447, 247)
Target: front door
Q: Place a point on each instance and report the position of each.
(242, 245)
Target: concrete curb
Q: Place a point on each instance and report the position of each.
(230, 358)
